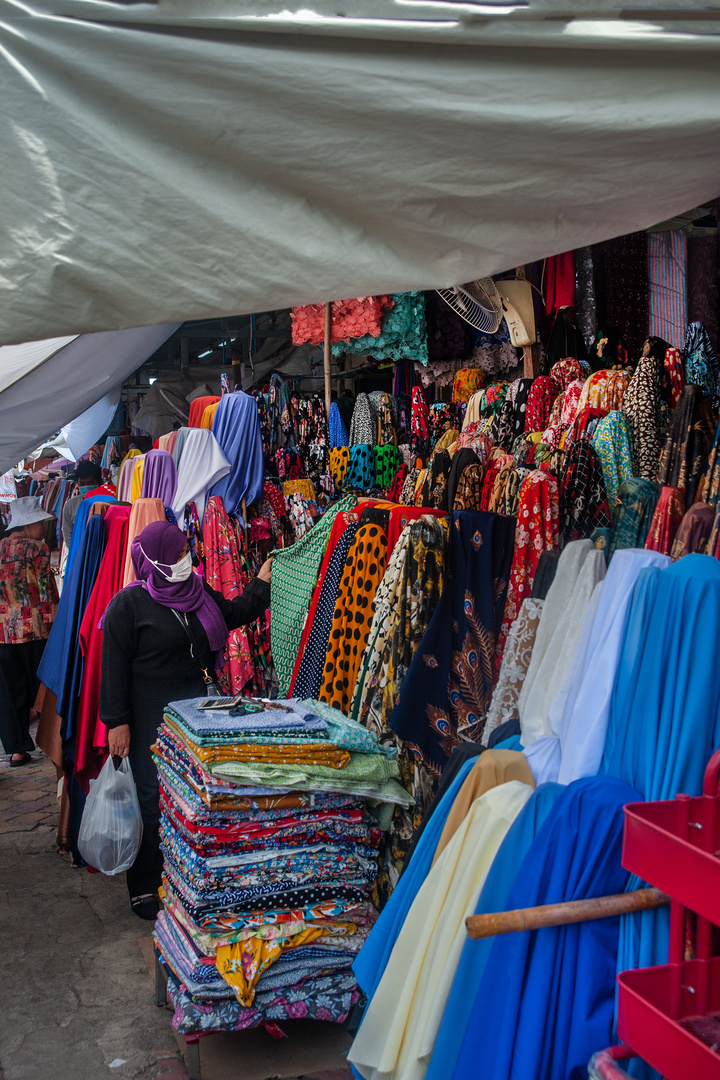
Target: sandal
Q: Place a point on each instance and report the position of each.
(145, 907)
(20, 761)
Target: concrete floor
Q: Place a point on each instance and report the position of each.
(76, 996)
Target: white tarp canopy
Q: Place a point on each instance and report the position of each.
(51, 393)
(177, 160)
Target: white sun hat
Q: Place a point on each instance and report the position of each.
(26, 511)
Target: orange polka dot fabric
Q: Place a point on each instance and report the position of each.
(353, 615)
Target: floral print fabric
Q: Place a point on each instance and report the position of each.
(540, 402)
(611, 442)
(28, 593)
(633, 513)
(583, 501)
(514, 667)
(642, 406)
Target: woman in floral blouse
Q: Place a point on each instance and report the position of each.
(28, 603)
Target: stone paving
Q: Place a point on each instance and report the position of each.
(77, 996)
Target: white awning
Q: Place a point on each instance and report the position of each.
(175, 160)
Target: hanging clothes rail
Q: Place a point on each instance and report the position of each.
(571, 911)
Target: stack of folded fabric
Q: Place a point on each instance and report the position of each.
(271, 819)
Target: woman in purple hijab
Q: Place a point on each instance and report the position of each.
(160, 635)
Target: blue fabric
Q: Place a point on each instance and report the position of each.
(545, 1001)
(237, 428)
(513, 743)
(61, 665)
(361, 471)
(336, 428)
(375, 953)
(79, 528)
(445, 695)
(57, 506)
(494, 896)
(665, 713)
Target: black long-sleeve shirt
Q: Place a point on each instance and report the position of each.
(147, 662)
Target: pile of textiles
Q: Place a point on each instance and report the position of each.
(271, 821)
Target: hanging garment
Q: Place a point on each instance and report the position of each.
(579, 569)
(668, 285)
(201, 464)
(642, 405)
(403, 1016)
(475, 953)
(660, 683)
(137, 478)
(387, 460)
(310, 673)
(666, 519)
(419, 423)
(559, 282)
(445, 696)
(295, 571)
(434, 489)
(339, 459)
(159, 477)
(701, 362)
(469, 492)
(611, 443)
(583, 501)
(144, 511)
(363, 429)
(352, 617)
(237, 430)
(338, 432)
(91, 737)
(515, 663)
(361, 472)
(633, 513)
(537, 531)
(605, 390)
(539, 403)
(81, 519)
(545, 999)
(694, 532)
(394, 491)
(684, 456)
(673, 377)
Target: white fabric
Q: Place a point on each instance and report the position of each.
(513, 669)
(168, 161)
(399, 1028)
(551, 631)
(579, 715)
(76, 438)
(57, 390)
(202, 463)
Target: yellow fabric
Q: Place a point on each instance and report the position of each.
(398, 1032)
(492, 768)
(242, 963)
(277, 753)
(206, 420)
(137, 478)
(534, 437)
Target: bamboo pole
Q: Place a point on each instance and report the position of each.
(326, 359)
(571, 911)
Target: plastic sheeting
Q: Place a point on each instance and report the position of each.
(178, 160)
(53, 393)
(76, 438)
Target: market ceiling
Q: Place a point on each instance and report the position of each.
(170, 161)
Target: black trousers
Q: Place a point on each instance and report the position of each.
(145, 874)
(18, 689)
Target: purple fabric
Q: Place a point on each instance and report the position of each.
(159, 477)
(164, 543)
(237, 428)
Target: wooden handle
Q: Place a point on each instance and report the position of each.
(571, 911)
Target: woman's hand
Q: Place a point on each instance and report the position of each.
(265, 572)
(119, 741)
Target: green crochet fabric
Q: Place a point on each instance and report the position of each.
(294, 573)
(403, 334)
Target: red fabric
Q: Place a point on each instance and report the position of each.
(198, 407)
(539, 403)
(91, 733)
(104, 489)
(399, 518)
(666, 520)
(350, 319)
(559, 283)
(156, 444)
(225, 571)
(673, 377)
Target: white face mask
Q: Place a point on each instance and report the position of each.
(179, 571)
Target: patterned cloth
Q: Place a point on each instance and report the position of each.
(684, 456)
(352, 617)
(337, 430)
(540, 402)
(363, 428)
(566, 371)
(583, 501)
(666, 519)
(295, 571)
(419, 423)
(537, 531)
(445, 696)
(701, 362)
(339, 465)
(632, 514)
(387, 461)
(361, 473)
(611, 442)
(515, 663)
(28, 593)
(673, 377)
(467, 382)
(710, 485)
(605, 390)
(668, 285)
(642, 405)
(694, 532)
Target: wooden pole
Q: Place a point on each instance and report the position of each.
(572, 911)
(326, 363)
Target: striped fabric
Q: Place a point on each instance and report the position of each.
(668, 285)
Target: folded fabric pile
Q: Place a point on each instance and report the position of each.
(270, 826)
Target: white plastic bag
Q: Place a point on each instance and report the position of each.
(111, 828)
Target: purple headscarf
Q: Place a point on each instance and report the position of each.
(164, 543)
(159, 477)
